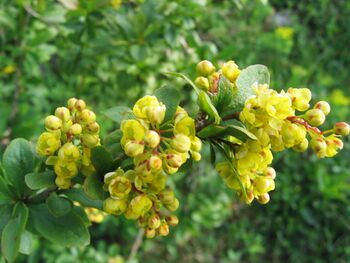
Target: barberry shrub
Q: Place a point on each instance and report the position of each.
(70, 178)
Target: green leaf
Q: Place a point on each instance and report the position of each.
(18, 160)
(171, 98)
(204, 101)
(36, 181)
(68, 230)
(119, 113)
(222, 99)
(80, 212)
(78, 195)
(5, 212)
(102, 160)
(10, 239)
(211, 131)
(5, 194)
(206, 105)
(93, 187)
(113, 137)
(11, 234)
(26, 243)
(185, 78)
(57, 205)
(255, 74)
(240, 133)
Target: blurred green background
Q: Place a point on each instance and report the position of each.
(111, 53)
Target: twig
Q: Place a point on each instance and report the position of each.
(137, 244)
(7, 134)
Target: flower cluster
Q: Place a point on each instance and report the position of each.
(209, 77)
(270, 116)
(70, 135)
(158, 148)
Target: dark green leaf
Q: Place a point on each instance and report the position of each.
(11, 234)
(18, 160)
(36, 181)
(211, 130)
(5, 212)
(102, 160)
(113, 137)
(78, 195)
(57, 205)
(119, 113)
(68, 230)
(240, 133)
(222, 99)
(171, 99)
(5, 193)
(93, 187)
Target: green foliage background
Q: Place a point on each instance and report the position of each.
(50, 51)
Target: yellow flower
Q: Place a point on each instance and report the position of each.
(65, 169)
(230, 70)
(69, 152)
(300, 98)
(48, 143)
(132, 130)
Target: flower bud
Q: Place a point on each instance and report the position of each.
(114, 206)
(80, 105)
(181, 143)
(138, 206)
(156, 114)
(53, 123)
(154, 221)
(119, 187)
(75, 129)
(301, 147)
(63, 113)
(167, 196)
(323, 106)
(196, 156)
(315, 117)
(230, 70)
(169, 170)
(196, 144)
(334, 144)
(173, 205)
(174, 160)
(270, 173)
(93, 127)
(69, 152)
(263, 184)
(90, 140)
(87, 116)
(133, 148)
(152, 139)
(71, 103)
(63, 183)
(150, 232)
(264, 198)
(155, 162)
(172, 220)
(319, 146)
(341, 128)
(202, 83)
(205, 68)
(163, 230)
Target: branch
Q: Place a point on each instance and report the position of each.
(137, 244)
